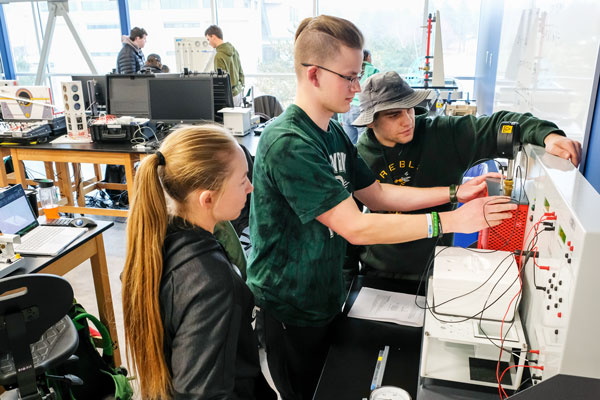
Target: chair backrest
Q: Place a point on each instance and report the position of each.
(29, 305)
(267, 107)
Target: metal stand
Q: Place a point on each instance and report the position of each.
(59, 8)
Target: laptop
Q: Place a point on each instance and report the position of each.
(17, 217)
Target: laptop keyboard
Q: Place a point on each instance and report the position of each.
(40, 350)
(58, 222)
(37, 237)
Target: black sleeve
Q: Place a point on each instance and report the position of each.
(126, 62)
(475, 138)
(205, 322)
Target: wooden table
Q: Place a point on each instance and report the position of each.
(90, 246)
(56, 158)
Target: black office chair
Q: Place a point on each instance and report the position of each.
(240, 224)
(267, 107)
(36, 333)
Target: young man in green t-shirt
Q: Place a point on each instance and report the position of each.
(404, 146)
(302, 212)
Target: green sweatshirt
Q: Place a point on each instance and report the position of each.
(442, 149)
(228, 59)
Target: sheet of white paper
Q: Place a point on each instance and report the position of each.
(381, 305)
(66, 139)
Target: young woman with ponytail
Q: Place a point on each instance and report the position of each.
(187, 312)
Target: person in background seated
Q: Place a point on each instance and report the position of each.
(228, 60)
(403, 146)
(153, 65)
(131, 56)
(347, 118)
(187, 311)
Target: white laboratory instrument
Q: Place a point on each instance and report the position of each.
(467, 281)
(555, 327)
(195, 54)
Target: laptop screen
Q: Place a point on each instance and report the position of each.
(16, 215)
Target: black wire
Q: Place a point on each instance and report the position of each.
(425, 273)
(524, 262)
(534, 269)
(522, 383)
(431, 257)
(429, 263)
(515, 309)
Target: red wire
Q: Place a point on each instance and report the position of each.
(498, 377)
(518, 366)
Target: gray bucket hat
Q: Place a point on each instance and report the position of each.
(386, 91)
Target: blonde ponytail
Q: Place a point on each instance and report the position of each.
(191, 158)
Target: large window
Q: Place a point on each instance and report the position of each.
(164, 20)
(392, 30)
(547, 59)
(395, 34)
(266, 42)
(261, 30)
(23, 39)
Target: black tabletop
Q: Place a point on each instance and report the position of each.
(117, 147)
(351, 360)
(33, 264)
(250, 141)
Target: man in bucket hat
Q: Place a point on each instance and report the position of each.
(403, 146)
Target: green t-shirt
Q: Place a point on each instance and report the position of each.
(300, 171)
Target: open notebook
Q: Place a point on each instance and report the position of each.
(17, 217)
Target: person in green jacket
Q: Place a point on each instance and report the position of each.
(228, 60)
(347, 118)
(404, 146)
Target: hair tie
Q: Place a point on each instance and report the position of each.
(161, 158)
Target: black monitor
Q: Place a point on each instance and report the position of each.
(99, 88)
(128, 95)
(183, 99)
(222, 94)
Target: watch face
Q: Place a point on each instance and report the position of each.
(389, 393)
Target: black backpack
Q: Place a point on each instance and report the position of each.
(101, 379)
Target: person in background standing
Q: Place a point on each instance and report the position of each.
(131, 58)
(228, 60)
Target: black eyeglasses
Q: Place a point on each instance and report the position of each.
(351, 79)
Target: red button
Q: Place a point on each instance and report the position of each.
(559, 315)
(571, 248)
(569, 243)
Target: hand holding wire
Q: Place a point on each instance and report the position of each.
(475, 187)
(478, 214)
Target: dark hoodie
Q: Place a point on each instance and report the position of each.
(228, 59)
(210, 347)
(442, 149)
